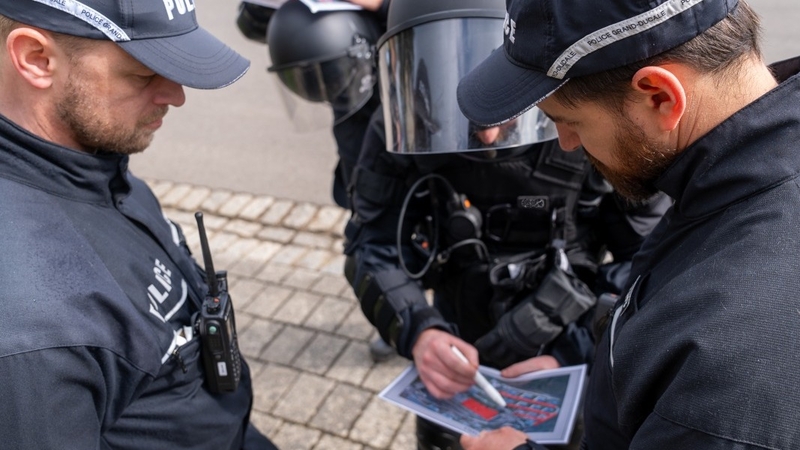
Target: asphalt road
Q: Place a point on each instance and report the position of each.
(240, 138)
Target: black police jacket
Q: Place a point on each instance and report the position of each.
(348, 130)
(702, 353)
(592, 219)
(97, 284)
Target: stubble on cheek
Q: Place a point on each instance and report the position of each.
(100, 129)
(639, 160)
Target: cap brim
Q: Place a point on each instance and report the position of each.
(196, 59)
(498, 90)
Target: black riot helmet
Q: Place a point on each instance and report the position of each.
(327, 56)
(253, 21)
(429, 46)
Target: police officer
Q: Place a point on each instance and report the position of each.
(676, 97)
(499, 231)
(324, 57)
(103, 342)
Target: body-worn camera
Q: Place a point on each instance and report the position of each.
(217, 327)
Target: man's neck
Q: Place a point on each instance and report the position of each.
(712, 101)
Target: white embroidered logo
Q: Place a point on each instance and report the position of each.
(509, 28)
(617, 32)
(160, 291)
(183, 6)
(90, 16)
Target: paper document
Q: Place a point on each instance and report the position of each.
(542, 404)
(329, 5)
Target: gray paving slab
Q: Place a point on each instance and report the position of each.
(257, 335)
(297, 308)
(303, 399)
(246, 290)
(330, 284)
(315, 240)
(277, 234)
(256, 208)
(243, 228)
(320, 353)
(268, 300)
(315, 259)
(195, 198)
(378, 424)
(272, 384)
(289, 342)
(301, 278)
(291, 436)
(274, 273)
(235, 204)
(300, 216)
(329, 314)
(341, 410)
(276, 212)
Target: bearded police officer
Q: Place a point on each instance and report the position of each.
(673, 95)
(99, 347)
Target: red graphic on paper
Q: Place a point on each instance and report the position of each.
(538, 412)
(479, 408)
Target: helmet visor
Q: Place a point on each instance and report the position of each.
(345, 83)
(420, 68)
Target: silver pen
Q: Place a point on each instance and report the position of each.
(481, 381)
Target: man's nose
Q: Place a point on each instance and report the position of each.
(568, 139)
(169, 92)
(488, 135)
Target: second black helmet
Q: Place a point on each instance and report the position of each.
(324, 56)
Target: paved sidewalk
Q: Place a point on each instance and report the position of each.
(300, 326)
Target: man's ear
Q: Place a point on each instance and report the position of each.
(662, 95)
(33, 55)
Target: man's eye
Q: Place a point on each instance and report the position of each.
(145, 79)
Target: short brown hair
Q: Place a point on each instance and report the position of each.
(719, 50)
(73, 46)
(6, 25)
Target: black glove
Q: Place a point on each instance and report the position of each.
(519, 334)
(536, 321)
(563, 296)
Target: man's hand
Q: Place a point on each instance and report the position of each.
(442, 372)
(530, 365)
(370, 5)
(505, 438)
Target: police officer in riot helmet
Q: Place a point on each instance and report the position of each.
(324, 57)
(516, 239)
(253, 21)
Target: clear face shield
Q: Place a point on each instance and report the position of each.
(343, 83)
(420, 68)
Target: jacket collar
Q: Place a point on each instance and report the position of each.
(751, 151)
(31, 160)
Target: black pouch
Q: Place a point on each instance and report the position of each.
(511, 276)
(563, 297)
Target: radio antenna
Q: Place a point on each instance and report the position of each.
(213, 289)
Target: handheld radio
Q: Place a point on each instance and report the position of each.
(217, 326)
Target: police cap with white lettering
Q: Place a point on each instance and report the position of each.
(549, 41)
(161, 34)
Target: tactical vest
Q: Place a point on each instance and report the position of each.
(517, 198)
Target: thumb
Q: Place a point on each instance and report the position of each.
(467, 440)
(530, 365)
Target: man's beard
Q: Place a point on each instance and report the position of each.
(640, 159)
(94, 131)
